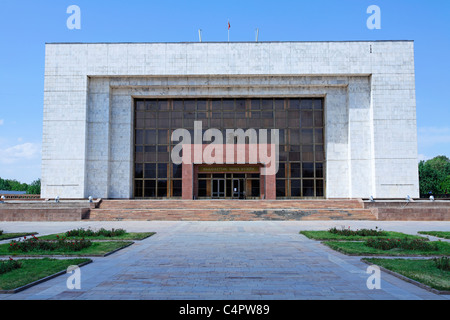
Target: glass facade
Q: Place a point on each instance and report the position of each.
(300, 122)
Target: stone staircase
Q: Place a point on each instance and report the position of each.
(230, 210)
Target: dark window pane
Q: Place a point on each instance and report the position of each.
(318, 119)
(163, 105)
(281, 170)
(151, 105)
(294, 136)
(279, 104)
(228, 104)
(308, 188)
(138, 188)
(240, 104)
(139, 136)
(150, 136)
(202, 188)
(256, 104)
(308, 170)
(255, 192)
(318, 136)
(150, 170)
(294, 104)
(162, 188)
(216, 105)
(319, 188)
(319, 170)
(149, 189)
(307, 119)
(320, 156)
(139, 170)
(306, 104)
(281, 188)
(267, 104)
(140, 106)
(177, 170)
(177, 105)
(189, 105)
(163, 137)
(201, 105)
(295, 188)
(306, 136)
(177, 188)
(295, 170)
(318, 104)
(162, 170)
(151, 123)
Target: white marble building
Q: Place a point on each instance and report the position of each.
(369, 106)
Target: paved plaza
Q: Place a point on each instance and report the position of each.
(225, 260)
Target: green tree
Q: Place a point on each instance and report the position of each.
(34, 187)
(433, 174)
(445, 185)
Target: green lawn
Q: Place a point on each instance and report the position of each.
(35, 269)
(126, 236)
(326, 235)
(439, 234)
(359, 248)
(6, 236)
(96, 249)
(423, 271)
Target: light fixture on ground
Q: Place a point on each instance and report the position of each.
(57, 199)
(91, 198)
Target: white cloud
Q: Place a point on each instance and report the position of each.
(25, 151)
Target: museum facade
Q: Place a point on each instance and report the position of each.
(338, 118)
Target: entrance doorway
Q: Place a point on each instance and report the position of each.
(238, 189)
(218, 188)
(228, 186)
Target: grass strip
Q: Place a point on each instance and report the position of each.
(360, 249)
(32, 270)
(126, 236)
(422, 271)
(96, 249)
(439, 234)
(326, 235)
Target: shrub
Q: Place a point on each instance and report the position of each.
(6, 266)
(1, 232)
(90, 233)
(362, 232)
(405, 244)
(442, 263)
(35, 244)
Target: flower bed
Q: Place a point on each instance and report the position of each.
(81, 232)
(35, 244)
(360, 232)
(404, 244)
(9, 265)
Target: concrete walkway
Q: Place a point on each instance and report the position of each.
(225, 260)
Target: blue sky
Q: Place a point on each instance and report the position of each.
(25, 26)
